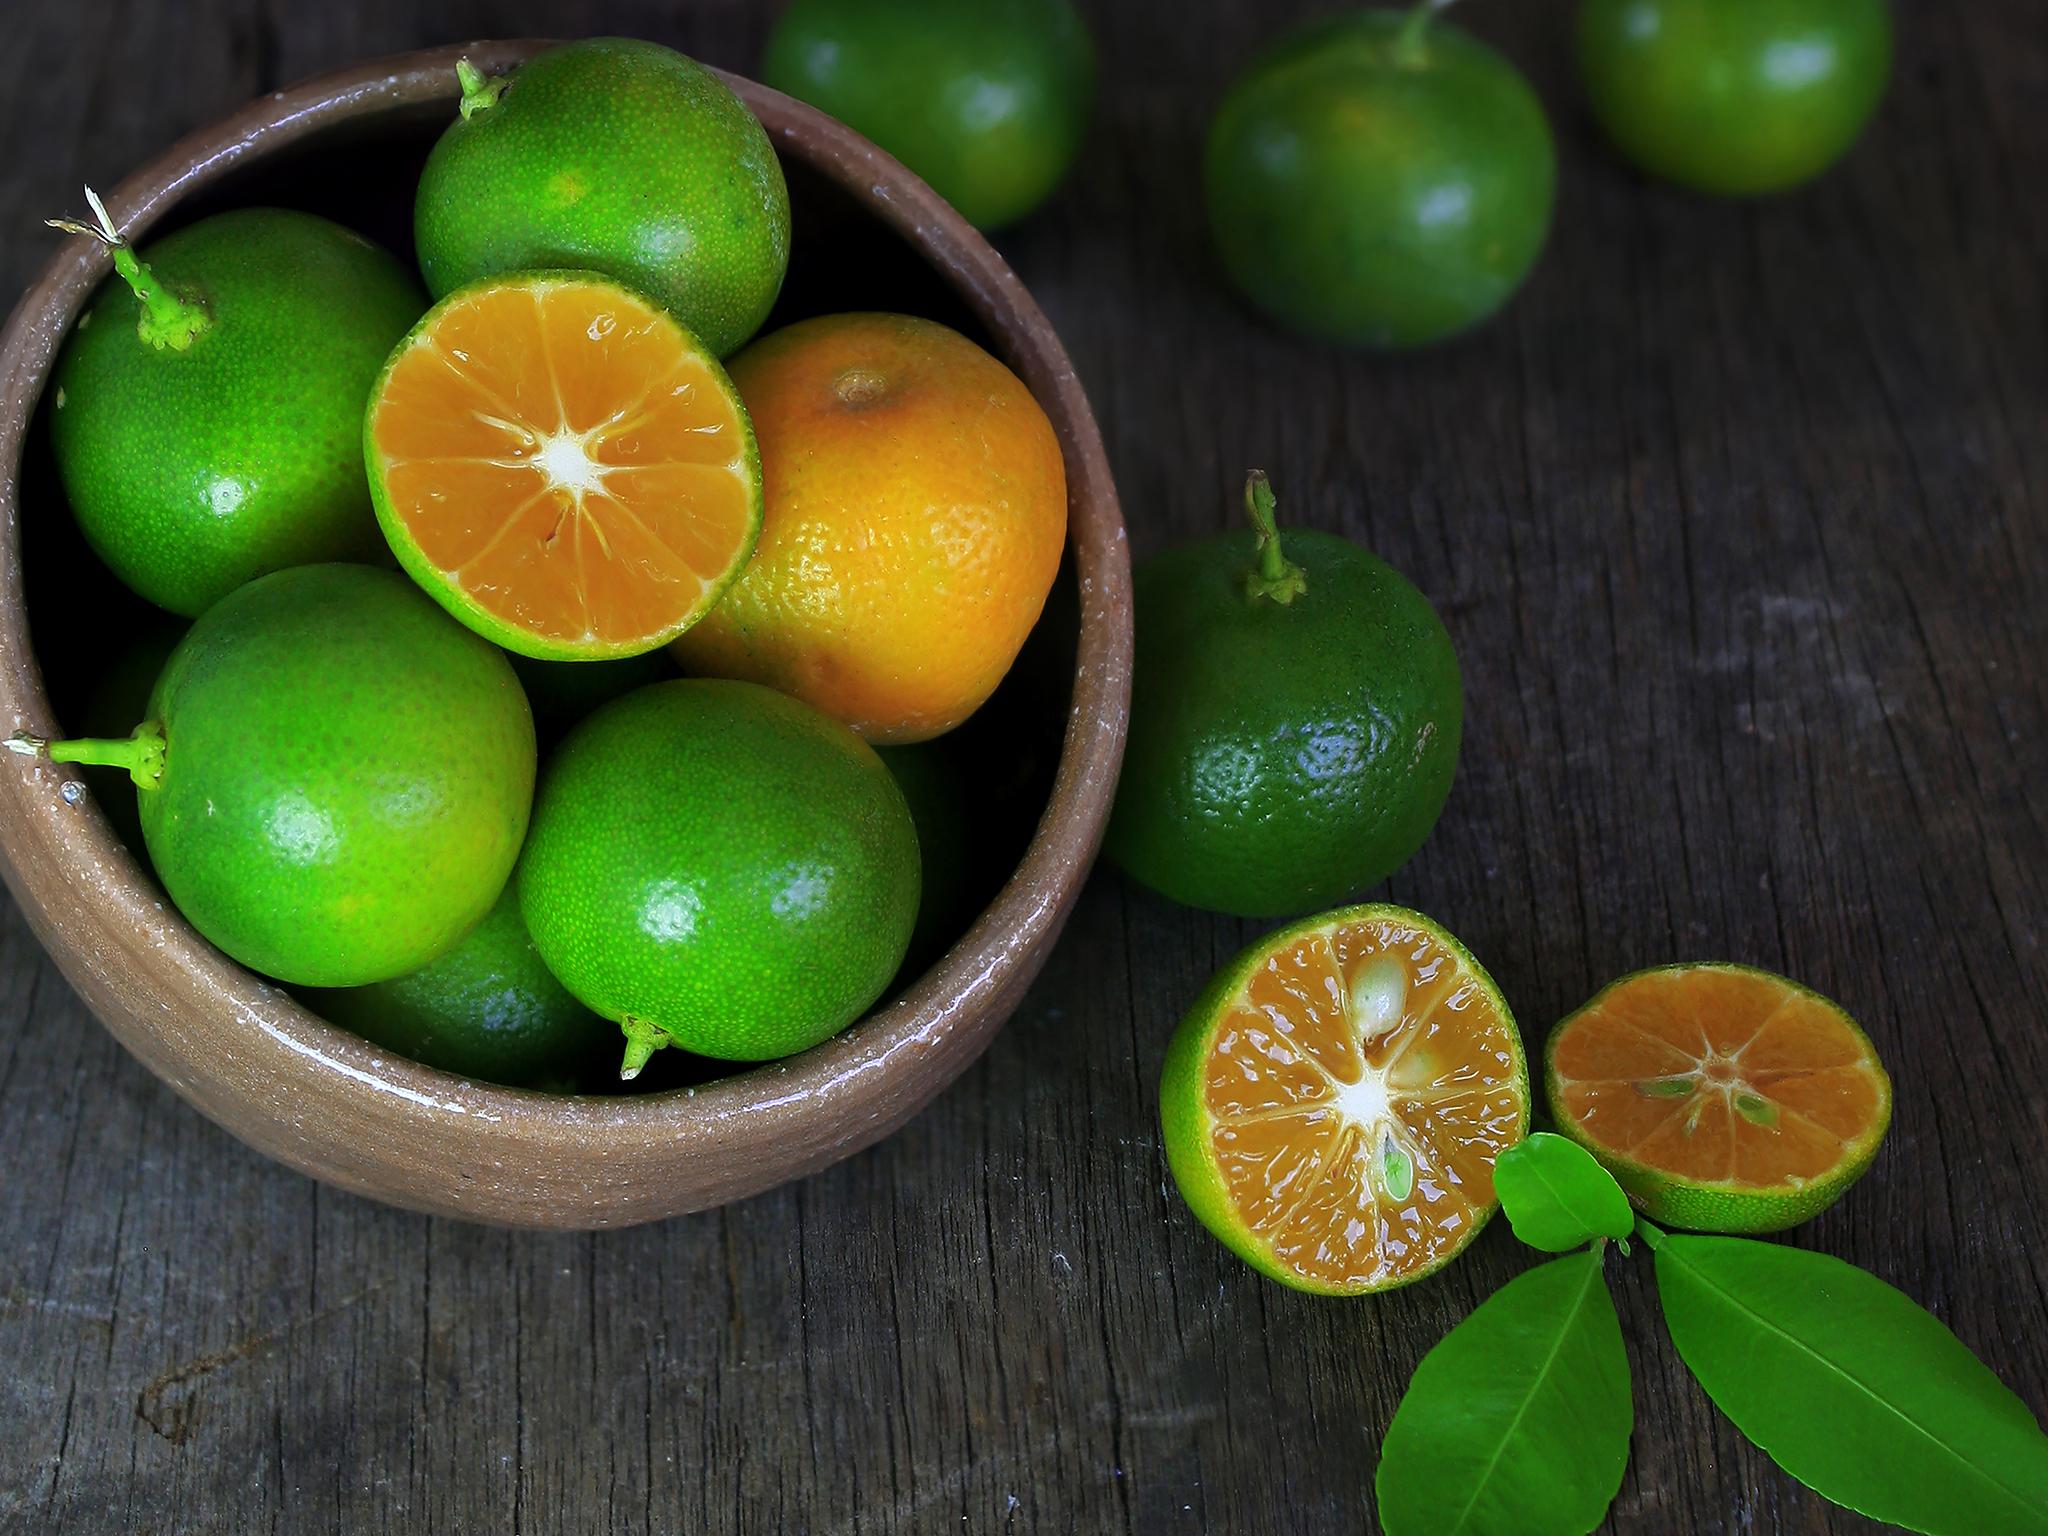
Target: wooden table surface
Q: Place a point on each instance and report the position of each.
(1739, 518)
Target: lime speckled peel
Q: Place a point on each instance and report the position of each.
(207, 407)
(1295, 721)
(488, 1009)
(718, 866)
(334, 777)
(615, 156)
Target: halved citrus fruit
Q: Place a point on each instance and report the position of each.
(1334, 1102)
(1722, 1098)
(563, 465)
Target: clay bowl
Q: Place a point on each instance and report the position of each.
(326, 1102)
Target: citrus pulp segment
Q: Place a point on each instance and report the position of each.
(1334, 1103)
(1722, 1098)
(564, 466)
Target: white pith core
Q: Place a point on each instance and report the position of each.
(564, 457)
(1376, 1003)
(1366, 1102)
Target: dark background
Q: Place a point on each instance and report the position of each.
(1737, 520)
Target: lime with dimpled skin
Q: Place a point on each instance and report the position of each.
(715, 865)
(207, 409)
(488, 1009)
(1295, 721)
(334, 776)
(616, 156)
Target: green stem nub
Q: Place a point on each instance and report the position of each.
(169, 319)
(642, 1041)
(142, 754)
(480, 92)
(1408, 42)
(1276, 577)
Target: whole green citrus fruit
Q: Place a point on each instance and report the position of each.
(1735, 96)
(986, 100)
(207, 410)
(1295, 720)
(1379, 180)
(715, 865)
(334, 776)
(619, 157)
(488, 1009)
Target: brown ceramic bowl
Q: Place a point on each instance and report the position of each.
(335, 1106)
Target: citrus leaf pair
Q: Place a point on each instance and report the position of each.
(1518, 1421)
(1852, 1388)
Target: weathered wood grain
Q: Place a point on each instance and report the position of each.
(1738, 519)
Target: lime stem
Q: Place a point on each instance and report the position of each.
(1652, 1235)
(1277, 577)
(141, 754)
(480, 92)
(169, 319)
(1409, 40)
(642, 1041)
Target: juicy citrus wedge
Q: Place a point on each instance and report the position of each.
(1334, 1103)
(1724, 1099)
(564, 466)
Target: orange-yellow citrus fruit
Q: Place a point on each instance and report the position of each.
(916, 510)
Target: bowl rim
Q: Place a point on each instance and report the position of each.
(343, 1110)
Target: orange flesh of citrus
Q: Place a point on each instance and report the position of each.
(570, 460)
(1717, 1076)
(1361, 1086)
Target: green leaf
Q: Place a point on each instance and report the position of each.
(1517, 1423)
(1852, 1388)
(1557, 1198)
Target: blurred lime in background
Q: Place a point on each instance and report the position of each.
(1380, 179)
(986, 100)
(1735, 96)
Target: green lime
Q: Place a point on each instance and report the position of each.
(1380, 180)
(986, 100)
(1721, 1097)
(1333, 1103)
(207, 410)
(931, 780)
(1294, 721)
(1735, 96)
(611, 156)
(488, 1009)
(334, 775)
(717, 866)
